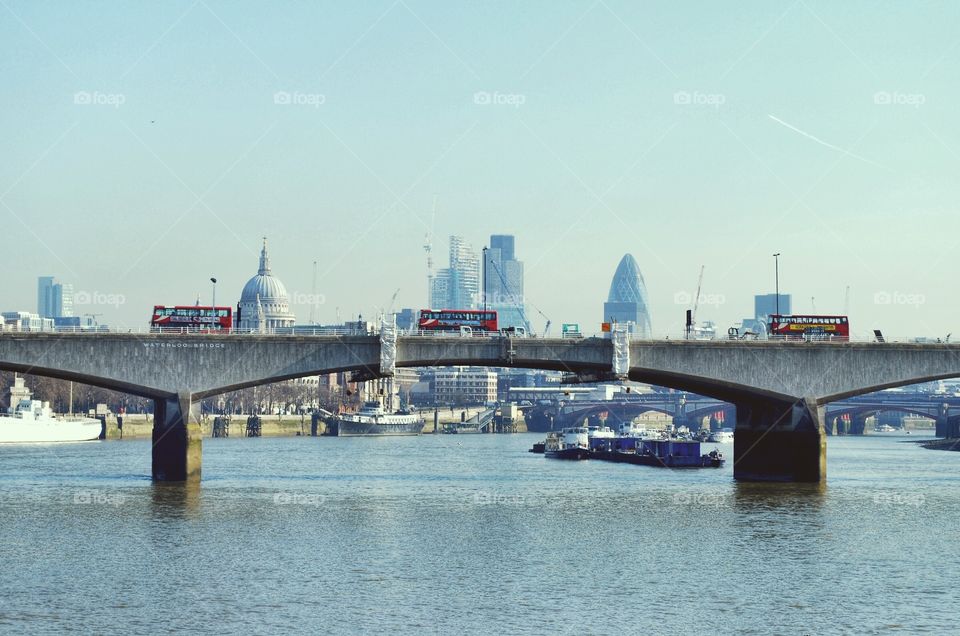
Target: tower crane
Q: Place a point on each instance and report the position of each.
(696, 304)
(393, 301)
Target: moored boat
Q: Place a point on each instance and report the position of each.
(723, 436)
(595, 443)
(570, 443)
(32, 421)
(373, 420)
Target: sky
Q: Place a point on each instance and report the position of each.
(150, 146)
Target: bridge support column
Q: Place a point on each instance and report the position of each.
(943, 426)
(953, 427)
(858, 425)
(176, 439)
(779, 441)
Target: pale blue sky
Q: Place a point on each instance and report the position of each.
(787, 145)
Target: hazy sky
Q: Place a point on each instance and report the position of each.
(146, 148)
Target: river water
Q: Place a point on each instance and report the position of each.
(471, 534)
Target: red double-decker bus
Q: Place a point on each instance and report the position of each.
(808, 327)
(191, 318)
(454, 319)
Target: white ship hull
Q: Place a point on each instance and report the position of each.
(17, 430)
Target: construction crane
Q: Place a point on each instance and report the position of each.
(393, 301)
(696, 304)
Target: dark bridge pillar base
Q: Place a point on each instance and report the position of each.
(942, 426)
(780, 441)
(176, 439)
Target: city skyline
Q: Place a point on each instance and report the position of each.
(112, 307)
(164, 179)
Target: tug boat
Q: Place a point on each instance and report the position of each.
(570, 443)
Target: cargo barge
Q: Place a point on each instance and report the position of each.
(583, 442)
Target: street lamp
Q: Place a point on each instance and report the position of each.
(213, 302)
(776, 269)
(484, 291)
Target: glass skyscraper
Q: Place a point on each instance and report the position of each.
(457, 286)
(503, 285)
(627, 301)
(54, 300)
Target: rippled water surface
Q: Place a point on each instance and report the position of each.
(472, 534)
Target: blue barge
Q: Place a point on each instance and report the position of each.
(593, 443)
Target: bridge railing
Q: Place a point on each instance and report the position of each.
(345, 331)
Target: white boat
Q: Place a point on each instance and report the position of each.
(32, 421)
(632, 429)
(600, 432)
(723, 436)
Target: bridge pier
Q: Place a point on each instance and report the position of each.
(858, 424)
(176, 439)
(943, 426)
(779, 441)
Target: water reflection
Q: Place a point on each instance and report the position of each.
(177, 500)
(759, 496)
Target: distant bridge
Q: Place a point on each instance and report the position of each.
(689, 409)
(779, 389)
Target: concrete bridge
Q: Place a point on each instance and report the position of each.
(945, 411)
(780, 389)
(684, 409)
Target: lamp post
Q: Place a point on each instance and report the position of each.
(484, 290)
(776, 269)
(213, 301)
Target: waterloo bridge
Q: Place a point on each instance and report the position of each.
(780, 389)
